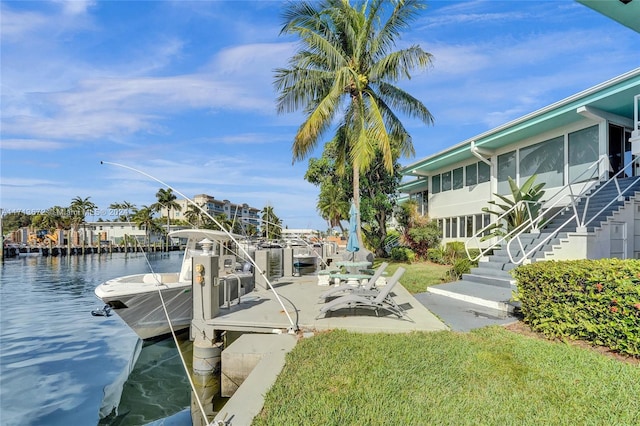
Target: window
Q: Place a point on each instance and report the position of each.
(484, 172)
(447, 227)
(435, 184)
(583, 152)
(471, 172)
(469, 221)
(446, 181)
(454, 227)
(458, 178)
(462, 227)
(506, 169)
(544, 159)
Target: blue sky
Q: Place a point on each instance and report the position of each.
(183, 91)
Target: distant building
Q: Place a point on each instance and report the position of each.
(239, 212)
(114, 232)
(299, 233)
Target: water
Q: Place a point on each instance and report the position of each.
(57, 361)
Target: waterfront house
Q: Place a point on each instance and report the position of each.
(574, 146)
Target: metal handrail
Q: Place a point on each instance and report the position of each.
(581, 224)
(533, 222)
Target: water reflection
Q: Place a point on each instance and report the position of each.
(56, 359)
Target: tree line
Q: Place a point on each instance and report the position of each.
(73, 217)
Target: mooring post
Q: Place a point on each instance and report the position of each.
(206, 351)
(288, 267)
(262, 260)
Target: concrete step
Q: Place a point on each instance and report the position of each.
(487, 279)
(488, 296)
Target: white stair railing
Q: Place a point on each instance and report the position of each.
(533, 223)
(582, 221)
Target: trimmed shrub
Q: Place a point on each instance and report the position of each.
(403, 254)
(593, 300)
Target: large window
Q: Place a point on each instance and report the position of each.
(435, 184)
(458, 178)
(544, 159)
(446, 181)
(471, 172)
(484, 172)
(506, 169)
(583, 152)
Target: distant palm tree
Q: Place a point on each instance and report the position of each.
(332, 206)
(195, 215)
(126, 207)
(346, 70)
(272, 228)
(144, 220)
(80, 207)
(166, 200)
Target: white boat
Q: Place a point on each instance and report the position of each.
(136, 298)
(304, 264)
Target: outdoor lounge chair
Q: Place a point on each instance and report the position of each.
(382, 300)
(366, 289)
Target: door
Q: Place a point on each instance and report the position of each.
(619, 151)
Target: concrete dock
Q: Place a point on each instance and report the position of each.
(259, 311)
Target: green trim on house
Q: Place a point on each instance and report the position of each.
(611, 97)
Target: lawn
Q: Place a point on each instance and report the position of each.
(418, 275)
(490, 376)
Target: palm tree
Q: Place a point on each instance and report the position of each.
(194, 215)
(272, 223)
(80, 207)
(332, 206)
(144, 219)
(345, 70)
(126, 207)
(167, 200)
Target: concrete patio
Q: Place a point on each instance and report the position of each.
(259, 311)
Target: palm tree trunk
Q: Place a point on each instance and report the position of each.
(356, 200)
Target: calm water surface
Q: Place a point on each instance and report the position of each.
(59, 364)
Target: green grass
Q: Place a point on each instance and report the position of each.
(418, 275)
(486, 377)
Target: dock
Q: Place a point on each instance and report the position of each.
(260, 312)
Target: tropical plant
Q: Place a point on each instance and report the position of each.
(125, 209)
(523, 206)
(345, 71)
(332, 205)
(271, 224)
(166, 200)
(144, 220)
(418, 232)
(195, 215)
(80, 207)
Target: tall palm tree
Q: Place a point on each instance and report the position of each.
(80, 207)
(166, 200)
(345, 72)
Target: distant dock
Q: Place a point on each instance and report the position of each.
(34, 251)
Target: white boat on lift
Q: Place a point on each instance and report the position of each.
(136, 298)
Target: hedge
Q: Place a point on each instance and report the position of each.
(593, 300)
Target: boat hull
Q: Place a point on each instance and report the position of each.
(144, 312)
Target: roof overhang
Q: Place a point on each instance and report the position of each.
(624, 12)
(614, 97)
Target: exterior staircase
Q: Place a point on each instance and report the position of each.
(490, 285)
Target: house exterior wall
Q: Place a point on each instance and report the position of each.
(459, 211)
